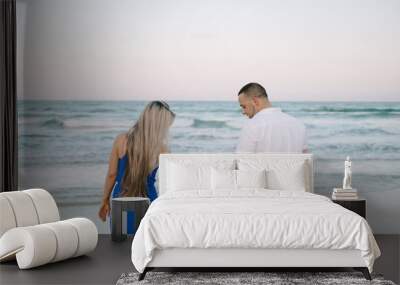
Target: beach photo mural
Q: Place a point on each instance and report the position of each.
(86, 69)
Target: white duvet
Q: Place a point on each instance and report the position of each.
(250, 219)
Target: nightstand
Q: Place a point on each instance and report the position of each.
(358, 206)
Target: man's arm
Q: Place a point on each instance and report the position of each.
(305, 146)
(247, 140)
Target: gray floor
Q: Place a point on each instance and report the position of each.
(102, 266)
(110, 260)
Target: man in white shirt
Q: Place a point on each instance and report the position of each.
(269, 129)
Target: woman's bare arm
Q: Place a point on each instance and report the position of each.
(110, 179)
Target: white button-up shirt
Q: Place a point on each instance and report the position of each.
(271, 130)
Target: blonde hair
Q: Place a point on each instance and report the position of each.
(145, 141)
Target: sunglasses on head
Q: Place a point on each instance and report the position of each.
(163, 104)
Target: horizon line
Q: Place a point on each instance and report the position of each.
(191, 100)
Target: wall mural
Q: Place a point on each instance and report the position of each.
(82, 85)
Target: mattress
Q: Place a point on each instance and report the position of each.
(250, 219)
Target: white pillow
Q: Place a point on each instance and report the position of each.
(223, 179)
(188, 177)
(227, 179)
(193, 174)
(251, 178)
(285, 174)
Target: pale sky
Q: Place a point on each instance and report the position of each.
(207, 50)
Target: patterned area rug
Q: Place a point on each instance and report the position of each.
(228, 278)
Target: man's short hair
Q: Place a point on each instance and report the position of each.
(253, 89)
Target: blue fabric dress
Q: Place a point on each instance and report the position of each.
(151, 190)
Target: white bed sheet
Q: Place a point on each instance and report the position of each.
(252, 218)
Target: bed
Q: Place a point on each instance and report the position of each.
(245, 211)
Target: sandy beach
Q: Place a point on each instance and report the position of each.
(381, 191)
(87, 211)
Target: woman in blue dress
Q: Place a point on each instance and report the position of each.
(133, 161)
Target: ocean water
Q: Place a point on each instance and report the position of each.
(64, 145)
